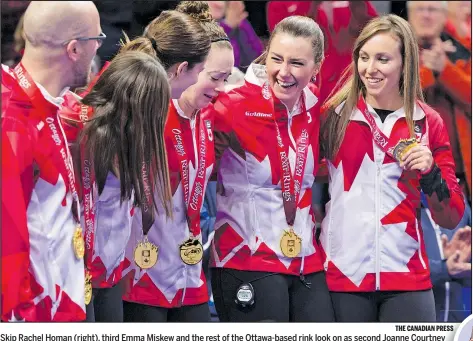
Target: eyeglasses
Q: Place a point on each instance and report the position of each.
(99, 39)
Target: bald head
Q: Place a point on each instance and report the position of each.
(53, 22)
(53, 56)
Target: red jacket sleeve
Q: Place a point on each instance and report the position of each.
(70, 112)
(17, 185)
(449, 211)
(455, 79)
(220, 111)
(70, 115)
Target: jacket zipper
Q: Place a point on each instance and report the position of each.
(255, 223)
(328, 251)
(377, 189)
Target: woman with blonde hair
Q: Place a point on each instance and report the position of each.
(383, 146)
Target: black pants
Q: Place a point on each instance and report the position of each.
(384, 306)
(278, 297)
(135, 312)
(106, 305)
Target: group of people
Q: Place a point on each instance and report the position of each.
(102, 188)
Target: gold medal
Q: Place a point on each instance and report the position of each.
(88, 288)
(78, 243)
(191, 251)
(146, 254)
(291, 244)
(402, 147)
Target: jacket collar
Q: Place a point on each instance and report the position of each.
(358, 116)
(179, 111)
(57, 101)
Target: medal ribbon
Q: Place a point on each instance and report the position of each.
(291, 185)
(381, 140)
(88, 181)
(42, 106)
(194, 202)
(147, 218)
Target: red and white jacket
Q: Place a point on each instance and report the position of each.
(372, 234)
(42, 280)
(112, 225)
(112, 229)
(171, 283)
(250, 214)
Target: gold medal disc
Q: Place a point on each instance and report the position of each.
(78, 243)
(291, 244)
(402, 147)
(191, 251)
(146, 254)
(88, 288)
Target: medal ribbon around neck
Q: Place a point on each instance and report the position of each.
(290, 243)
(381, 140)
(291, 185)
(40, 104)
(146, 253)
(88, 181)
(41, 107)
(191, 250)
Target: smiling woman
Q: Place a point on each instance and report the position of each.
(292, 59)
(383, 145)
(266, 262)
(380, 67)
(290, 64)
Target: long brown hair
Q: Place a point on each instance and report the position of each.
(126, 134)
(172, 37)
(334, 127)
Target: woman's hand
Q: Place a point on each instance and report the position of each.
(418, 158)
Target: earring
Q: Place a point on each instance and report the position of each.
(313, 79)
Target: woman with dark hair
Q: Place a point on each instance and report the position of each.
(129, 99)
(181, 45)
(266, 262)
(179, 42)
(383, 146)
(172, 287)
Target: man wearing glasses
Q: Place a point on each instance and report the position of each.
(42, 246)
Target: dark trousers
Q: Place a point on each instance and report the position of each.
(384, 306)
(135, 312)
(278, 297)
(106, 305)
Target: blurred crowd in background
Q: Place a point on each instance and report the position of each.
(445, 76)
(133, 16)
